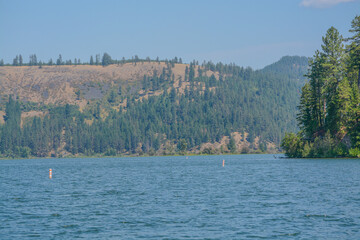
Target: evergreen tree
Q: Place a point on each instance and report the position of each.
(330, 102)
(97, 59)
(191, 72)
(11, 132)
(306, 119)
(33, 60)
(16, 61)
(106, 59)
(59, 61)
(207, 110)
(232, 146)
(333, 53)
(317, 99)
(354, 47)
(343, 101)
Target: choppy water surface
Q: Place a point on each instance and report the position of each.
(253, 196)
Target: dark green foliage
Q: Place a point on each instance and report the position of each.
(23, 152)
(191, 72)
(16, 61)
(97, 59)
(11, 131)
(231, 146)
(305, 116)
(330, 101)
(354, 48)
(182, 146)
(263, 146)
(292, 67)
(33, 60)
(106, 59)
(20, 60)
(112, 96)
(110, 152)
(261, 103)
(78, 94)
(354, 152)
(59, 61)
(292, 145)
(323, 146)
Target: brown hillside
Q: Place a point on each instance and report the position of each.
(58, 84)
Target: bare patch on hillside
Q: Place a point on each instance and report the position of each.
(60, 84)
(2, 114)
(30, 114)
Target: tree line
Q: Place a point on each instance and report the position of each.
(329, 109)
(260, 103)
(105, 60)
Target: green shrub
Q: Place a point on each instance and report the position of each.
(110, 152)
(324, 147)
(306, 150)
(292, 145)
(354, 152)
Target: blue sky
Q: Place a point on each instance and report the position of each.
(246, 32)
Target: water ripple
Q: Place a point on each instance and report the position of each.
(252, 197)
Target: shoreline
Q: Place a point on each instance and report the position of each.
(144, 155)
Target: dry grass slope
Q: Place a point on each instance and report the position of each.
(58, 84)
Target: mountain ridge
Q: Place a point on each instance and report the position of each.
(213, 108)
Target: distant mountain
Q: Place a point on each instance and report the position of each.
(294, 67)
(148, 107)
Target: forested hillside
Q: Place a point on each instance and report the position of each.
(329, 116)
(176, 108)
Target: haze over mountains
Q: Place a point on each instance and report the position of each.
(152, 107)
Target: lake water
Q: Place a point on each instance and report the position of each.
(252, 197)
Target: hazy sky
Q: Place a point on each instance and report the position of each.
(247, 32)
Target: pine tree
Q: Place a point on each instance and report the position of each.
(354, 47)
(330, 102)
(20, 60)
(59, 61)
(353, 124)
(16, 61)
(343, 98)
(332, 69)
(33, 60)
(106, 59)
(97, 59)
(306, 119)
(317, 100)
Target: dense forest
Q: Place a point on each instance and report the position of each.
(329, 110)
(261, 103)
